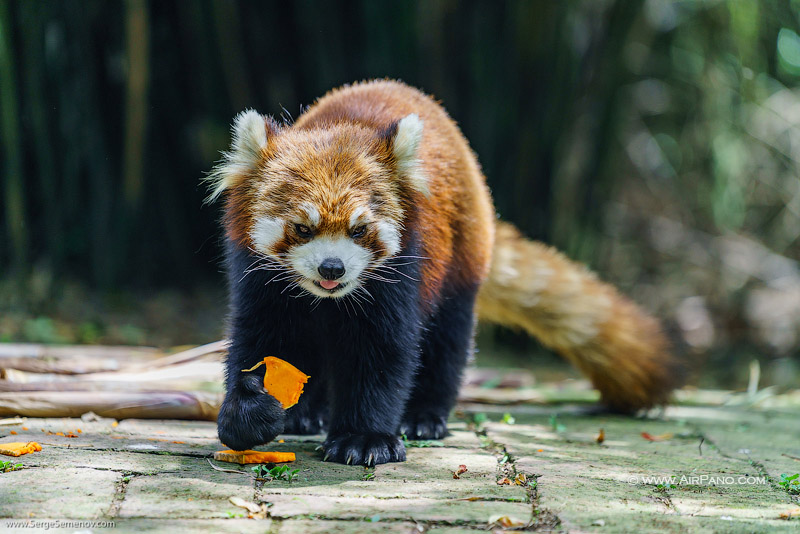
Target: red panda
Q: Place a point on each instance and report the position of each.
(361, 242)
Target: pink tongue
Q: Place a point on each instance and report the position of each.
(328, 284)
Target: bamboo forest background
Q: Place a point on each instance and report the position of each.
(656, 141)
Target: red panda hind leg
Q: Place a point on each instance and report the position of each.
(606, 336)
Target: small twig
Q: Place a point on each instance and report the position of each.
(228, 470)
(790, 456)
(700, 445)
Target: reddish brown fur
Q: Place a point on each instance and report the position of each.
(456, 222)
(338, 155)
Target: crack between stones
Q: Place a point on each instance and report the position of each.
(757, 464)
(155, 453)
(121, 489)
(541, 519)
(424, 524)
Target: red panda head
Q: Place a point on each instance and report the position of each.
(323, 206)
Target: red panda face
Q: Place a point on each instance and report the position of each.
(326, 235)
(321, 207)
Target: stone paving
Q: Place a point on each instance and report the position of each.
(545, 472)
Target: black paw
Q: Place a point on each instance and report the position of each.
(424, 426)
(249, 416)
(363, 449)
(303, 424)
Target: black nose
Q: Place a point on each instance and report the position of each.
(331, 268)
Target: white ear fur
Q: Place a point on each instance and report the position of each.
(249, 133)
(405, 148)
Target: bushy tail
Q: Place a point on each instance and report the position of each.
(604, 334)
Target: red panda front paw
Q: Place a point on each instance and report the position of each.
(424, 426)
(249, 416)
(363, 449)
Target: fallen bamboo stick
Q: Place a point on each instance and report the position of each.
(116, 404)
(83, 359)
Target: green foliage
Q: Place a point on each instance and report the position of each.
(278, 472)
(790, 483)
(640, 137)
(9, 465)
(663, 488)
(508, 419)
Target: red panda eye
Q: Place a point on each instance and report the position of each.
(359, 231)
(303, 230)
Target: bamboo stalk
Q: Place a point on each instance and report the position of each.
(137, 32)
(37, 358)
(185, 356)
(119, 405)
(113, 386)
(11, 136)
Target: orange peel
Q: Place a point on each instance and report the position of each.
(282, 380)
(18, 449)
(254, 457)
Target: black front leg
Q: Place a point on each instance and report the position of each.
(446, 347)
(249, 416)
(371, 370)
(264, 322)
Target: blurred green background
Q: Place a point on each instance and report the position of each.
(656, 141)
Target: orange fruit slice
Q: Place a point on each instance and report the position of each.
(254, 457)
(18, 449)
(282, 380)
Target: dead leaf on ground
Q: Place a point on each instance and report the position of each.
(460, 471)
(660, 437)
(791, 514)
(601, 437)
(505, 521)
(255, 511)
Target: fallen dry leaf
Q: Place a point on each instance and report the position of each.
(520, 479)
(241, 503)
(790, 514)
(660, 437)
(505, 521)
(504, 482)
(460, 471)
(255, 511)
(601, 437)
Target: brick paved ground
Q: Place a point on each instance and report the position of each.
(154, 476)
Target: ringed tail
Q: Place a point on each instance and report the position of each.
(604, 334)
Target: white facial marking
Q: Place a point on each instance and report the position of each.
(311, 212)
(405, 149)
(266, 232)
(357, 213)
(307, 258)
(389, 234)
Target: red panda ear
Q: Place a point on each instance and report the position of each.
(250, 137)
(403, 138)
